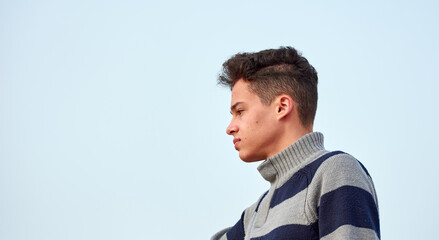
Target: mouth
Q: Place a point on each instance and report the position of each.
(235, 142)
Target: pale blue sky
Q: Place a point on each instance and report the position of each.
(112, 125)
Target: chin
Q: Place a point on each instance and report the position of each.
(250, 158)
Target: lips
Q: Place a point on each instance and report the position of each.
(235, 142)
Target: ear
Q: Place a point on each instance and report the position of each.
(285, 105)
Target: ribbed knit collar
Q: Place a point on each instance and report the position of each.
(291, 157)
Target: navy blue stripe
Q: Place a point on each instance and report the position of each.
(259, 203)
(237, 231)
(347, 205)
(291, 232)
(299, 181)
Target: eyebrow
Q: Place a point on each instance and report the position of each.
(234, 106)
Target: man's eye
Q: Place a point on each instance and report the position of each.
(239, 112)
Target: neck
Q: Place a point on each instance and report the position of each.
(289, 134)
(291, 157)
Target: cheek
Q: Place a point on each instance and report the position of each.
(262, 127)
(255, 129)
(254, 126)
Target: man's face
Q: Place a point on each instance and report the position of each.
(253, 124)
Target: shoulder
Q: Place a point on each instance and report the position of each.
(336, 173)
(341, 192)
(344, 169)
(337, 166)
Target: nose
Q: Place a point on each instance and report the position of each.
(232, 128)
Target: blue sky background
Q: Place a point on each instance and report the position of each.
(112, 125)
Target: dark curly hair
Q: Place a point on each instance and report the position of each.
(273, 72)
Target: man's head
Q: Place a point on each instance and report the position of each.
(273, 72)
(272, 91)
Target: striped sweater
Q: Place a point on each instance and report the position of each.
(314, 194)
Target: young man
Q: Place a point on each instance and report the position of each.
(314, 193)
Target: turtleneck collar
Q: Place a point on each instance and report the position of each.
(291, 157)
